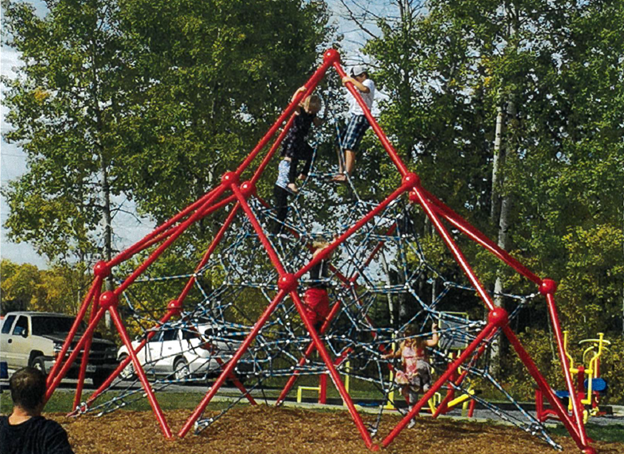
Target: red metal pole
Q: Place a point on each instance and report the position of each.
(442, 407)
(121, 366)
(213, 245)
(373, 123)
(479, 237)
(85, 353)
(125, 255)
(332, 268)
(258, 228)
(238, 383)
(127, 282)
(293, 378)
(310, 349)
(492, 325)
(332, 371)
(576, 432)
(406, 186)
(322, 389)
(139, 371)
(459, 256)
(267, 158)
(97, 283)
(56, 379)
(548, 288)
(148, 242)
(231, 364)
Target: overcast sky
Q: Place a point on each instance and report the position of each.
(127, 228)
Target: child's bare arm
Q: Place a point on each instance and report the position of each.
(395, 353)
(360, 86)
(434, 338)
(299, 90)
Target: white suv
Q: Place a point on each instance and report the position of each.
(36, 338)
(185, 351)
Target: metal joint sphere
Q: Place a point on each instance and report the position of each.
(175, 307)
(248, 189)
(287, 282)
(410, 180)
(498, 317)
(229, 178)
(548, 287)
(101, 269)
(331, 56)
(108, 299)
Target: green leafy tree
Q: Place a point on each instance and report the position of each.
(516, 122)
(150, 100)
(213, 76)
(66, 105)
(25, 287)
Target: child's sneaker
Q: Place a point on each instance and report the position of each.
(411, 424)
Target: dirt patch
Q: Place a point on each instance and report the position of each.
(265, 429)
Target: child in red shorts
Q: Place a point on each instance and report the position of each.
(316, 300)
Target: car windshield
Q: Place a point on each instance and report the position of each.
(52, 325)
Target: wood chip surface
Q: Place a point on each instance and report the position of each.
(264, 429)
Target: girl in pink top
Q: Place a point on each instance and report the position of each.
(416, 374)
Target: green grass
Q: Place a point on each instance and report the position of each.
(62, 402)
(612, 433)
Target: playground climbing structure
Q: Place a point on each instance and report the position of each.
(278, 339)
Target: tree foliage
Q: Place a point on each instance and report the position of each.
(147, 100)
(25, 287)
(554, 71)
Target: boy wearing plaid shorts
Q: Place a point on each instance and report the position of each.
(358, 124)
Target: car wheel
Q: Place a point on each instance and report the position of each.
(181, 369)
(39, 363)
(128, 372)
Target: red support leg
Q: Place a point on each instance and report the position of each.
(85, 354)
(56, 379)
(231, 364)
(576, 432)
(549, 289)
(492, 325)
(311, 347)
(97, 284)
(322, 389)
(459, 256)
(333, 372)
(122, 365)
(478, 237)
(139, 371)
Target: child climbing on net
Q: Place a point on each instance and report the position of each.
(416, 374)
(316, 299)
(295, 149)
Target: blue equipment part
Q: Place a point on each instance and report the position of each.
(599, 385)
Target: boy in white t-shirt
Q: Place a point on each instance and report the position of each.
(358, 124)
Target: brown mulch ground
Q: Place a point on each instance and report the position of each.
(265, 429)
